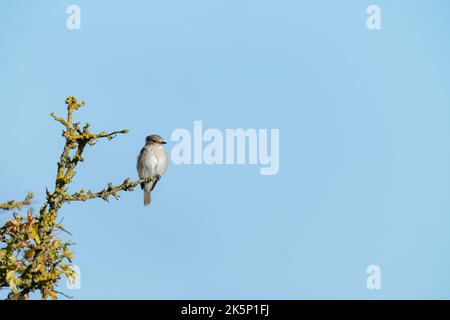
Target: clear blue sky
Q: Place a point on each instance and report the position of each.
(364, 143)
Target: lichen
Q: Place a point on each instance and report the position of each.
(33, 257)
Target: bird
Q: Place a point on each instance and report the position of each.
(152, 163)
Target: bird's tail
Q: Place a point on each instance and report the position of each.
(147, 198)
(147, 193)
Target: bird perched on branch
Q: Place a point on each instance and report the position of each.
(151, 164)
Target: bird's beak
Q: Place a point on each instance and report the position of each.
(163, 142)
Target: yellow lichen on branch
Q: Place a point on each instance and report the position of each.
(10, 205)
(32, 256)
(105, 193)
(76, 139)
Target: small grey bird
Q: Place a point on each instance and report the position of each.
(151, 163)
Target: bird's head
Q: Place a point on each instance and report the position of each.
(154, 138)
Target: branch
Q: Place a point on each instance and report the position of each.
(17, 204)
(105, 193)
(76, 139)
(32, 256)
(90, 136)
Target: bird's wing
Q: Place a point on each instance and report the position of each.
(140, 165)
(155, 181)
(140, 161)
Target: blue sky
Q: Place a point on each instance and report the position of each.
(364, 126)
